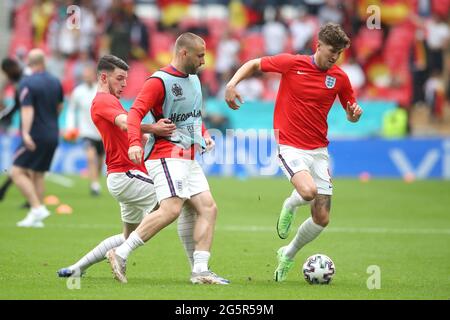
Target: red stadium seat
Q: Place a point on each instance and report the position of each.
(22, 36)
(137, 74)
(252, 46)
(396, 51)
(367, 42)
(216, 27)
(161, 42)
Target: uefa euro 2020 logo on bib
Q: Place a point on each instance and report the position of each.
(177, 90)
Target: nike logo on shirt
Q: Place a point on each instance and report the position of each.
(300, 72)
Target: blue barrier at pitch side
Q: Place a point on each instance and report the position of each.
(254, 153)
(259, 115)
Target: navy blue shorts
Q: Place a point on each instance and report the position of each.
(38, 160)
(97, 144)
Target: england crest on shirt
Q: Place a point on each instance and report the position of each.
(330, 82)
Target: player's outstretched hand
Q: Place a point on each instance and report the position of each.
(164, 128)
(354, 112)
(231, 95)
(135, 154)
(210, 144)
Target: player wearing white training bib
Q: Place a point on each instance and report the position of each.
(177, 174)
(174, 93)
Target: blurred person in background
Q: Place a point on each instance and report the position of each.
(302, 29)
(227, 55)
(331, 12)
(314, 6)
(437, 40)
(355, 74)
(41, 98)
(13, 72)
(275, 34)
(118, 34)
(79, 118)
(435, 95)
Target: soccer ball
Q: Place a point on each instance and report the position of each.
(318, 269)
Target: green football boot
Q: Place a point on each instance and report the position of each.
(284, 222)
(284, 265)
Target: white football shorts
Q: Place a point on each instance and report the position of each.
(135, 192)
(173, 177)
(316, 162)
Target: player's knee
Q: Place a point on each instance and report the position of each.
(210, 209)
(213, 209)
(16, 172)
(308, 193)
(172, 214)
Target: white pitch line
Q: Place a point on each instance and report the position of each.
(342, 230)
(389, 230)
(235, 228)
(59, 179)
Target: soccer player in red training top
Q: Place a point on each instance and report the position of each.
(174, 92)
(127, 182)
(309, 85)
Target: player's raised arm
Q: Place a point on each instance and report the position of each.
(245, 71)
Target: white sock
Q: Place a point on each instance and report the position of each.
(201, 259)
(40, 213)
(133, 242)
(98, 253)
(186, 223)
(294, 201)
(307, 232)
(39, 209)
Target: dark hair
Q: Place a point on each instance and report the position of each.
(8, 64)
(333, 35)
(110, 62)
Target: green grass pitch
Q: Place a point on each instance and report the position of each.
(403, 228)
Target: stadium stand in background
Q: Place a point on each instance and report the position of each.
(404, 64)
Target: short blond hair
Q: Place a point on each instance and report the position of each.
(187, 40)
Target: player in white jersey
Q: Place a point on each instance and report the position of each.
(79, 117)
